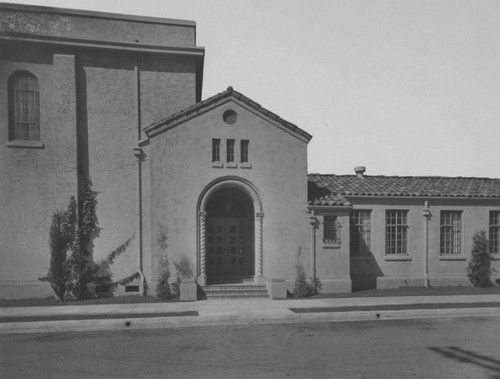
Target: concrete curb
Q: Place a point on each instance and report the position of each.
(221, 318)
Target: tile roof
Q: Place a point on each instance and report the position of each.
(230, 92)
(335, 189)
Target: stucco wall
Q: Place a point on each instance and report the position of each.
(93, 101)
(102, 27)
(332, 260)
(409, 271)
(35, 182)
(181, 168)
(167, 86)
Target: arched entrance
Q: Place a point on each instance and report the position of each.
(230, 220)
(229, 237)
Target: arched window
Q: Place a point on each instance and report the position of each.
(24, 107)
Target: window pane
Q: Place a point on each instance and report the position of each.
(230, 150)
(24, 107)
(360, 230)
(244, 151)
(215, 150)
(451, 232)
(396, 233)
(494, 231)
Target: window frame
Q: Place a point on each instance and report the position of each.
(230, 145)
(360, 248)
(331, 231)
(244, 151)
(24, 105)
(494, 232)
(398, 230)
(450, 239)
(216, 150)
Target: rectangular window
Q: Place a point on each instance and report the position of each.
(494, 231)
(215, 150)
(361, 230)
(230, 150)
(396, 233)
(451, 232)
(244, 150)
(331, 230)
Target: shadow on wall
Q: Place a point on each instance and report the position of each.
(82, 122)
(364, 273)
(364, 268)
(466, 356)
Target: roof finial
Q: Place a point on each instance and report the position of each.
(230, 88)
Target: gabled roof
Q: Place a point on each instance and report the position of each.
(229, 93)
(334, 190)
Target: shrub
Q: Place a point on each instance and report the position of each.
(163, 290)
(101, 274)
(304, 287)
(479, 268)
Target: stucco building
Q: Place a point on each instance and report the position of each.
(118, 98)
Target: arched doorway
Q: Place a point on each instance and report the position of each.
(229, 237)
(231, 206)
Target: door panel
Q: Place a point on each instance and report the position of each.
(228, 246)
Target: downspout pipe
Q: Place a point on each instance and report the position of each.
(313, 221)
(139, 155)
(427, 215)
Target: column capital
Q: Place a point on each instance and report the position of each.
(202, 214)
(259, 215)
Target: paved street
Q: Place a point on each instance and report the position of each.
(433, 348)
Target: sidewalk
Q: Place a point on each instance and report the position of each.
(241, 311)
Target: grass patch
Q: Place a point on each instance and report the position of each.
(413, 291)
(110, 316)
(394, 307)
(51, 301)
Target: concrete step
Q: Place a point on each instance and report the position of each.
(235, 291)
(230, 279)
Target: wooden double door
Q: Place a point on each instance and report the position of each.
(229, 247)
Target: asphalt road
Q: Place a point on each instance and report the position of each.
(432, 348)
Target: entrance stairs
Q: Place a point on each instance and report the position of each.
(234, 288)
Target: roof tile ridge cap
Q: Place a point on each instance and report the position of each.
(201, 103)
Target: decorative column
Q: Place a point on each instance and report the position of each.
(202, 278)
(427, 215)
(259, 276)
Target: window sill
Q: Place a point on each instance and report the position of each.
(452, 258)
(495, 256)
(217, 164)
(231, 165)
(397, 258)
(331, 245)
(26, 144)
(245, 165)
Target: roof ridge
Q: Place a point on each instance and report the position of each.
(230, 91)
(405, 176)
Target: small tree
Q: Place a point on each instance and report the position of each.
(73, 274)
(479, 268)
(60, 237)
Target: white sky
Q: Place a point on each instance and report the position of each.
(402, 87)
